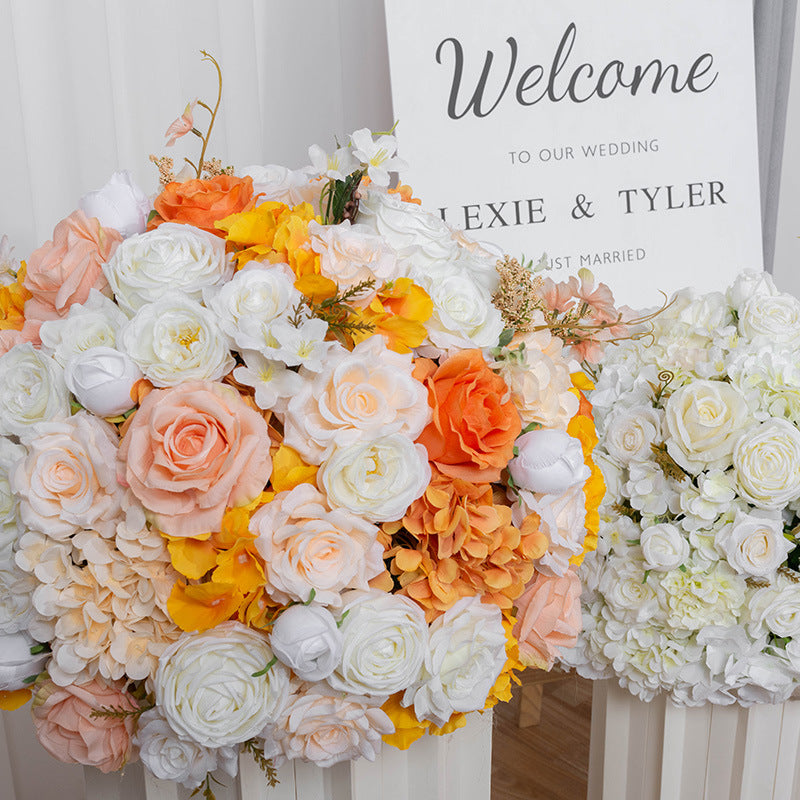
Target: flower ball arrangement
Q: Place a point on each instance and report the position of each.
(287, 466)
(695, 587)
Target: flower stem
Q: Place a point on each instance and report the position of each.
(207, 137)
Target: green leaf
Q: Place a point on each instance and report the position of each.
(531, 426)
(151, 216)
(682, 568)
(266, 669)
(506, 336)
(342, 618)
(39, 648)
(311, 597)
(646, 574)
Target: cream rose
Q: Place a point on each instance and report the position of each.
(307, 546)
(466, 654)
(377, 479)
(174, 340)
(776, 608)
(206, 687)
(308, 641)
(664, 547)
(385, 639)
(360, 395)
(754, 543)
(767, 464)
(703, 421)
(630, 433)
(171, 258)
(101, 378)
(10, 456)
(548, 462)
(774, 318)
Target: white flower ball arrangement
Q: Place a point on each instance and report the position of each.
(695, 586)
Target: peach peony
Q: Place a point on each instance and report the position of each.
(190, 452)
(63, 722)
(474, 421)
(201, 202)
(61, 272)
(548, 618)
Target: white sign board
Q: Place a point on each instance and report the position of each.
(616, 135)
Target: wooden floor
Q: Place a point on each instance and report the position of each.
(549, 760)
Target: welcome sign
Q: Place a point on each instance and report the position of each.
(618, 136)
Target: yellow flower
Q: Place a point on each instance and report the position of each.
(240, 566)
(12, 303)
(192, 557)
(289, 470)
(11, 701)
(198, 608)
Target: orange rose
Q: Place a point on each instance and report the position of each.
(474, 421)
(190, 452)
(62, 271)
(202, 202)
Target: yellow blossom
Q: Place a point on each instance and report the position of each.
(204, 606)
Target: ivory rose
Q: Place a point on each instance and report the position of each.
(474, 422)
(63, 271)
(192, 450)
(307, 546)
(62, 717)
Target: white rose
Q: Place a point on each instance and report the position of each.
(101, 379)
(174, 758)
(10, 455)
(176, 340)
(16, 661)
(32, 389)
(630, 598)
(767, 464)
(548, 462)
(776, 608)
(466, 654)
(120, 204)
(630, 432)
(16, 590)
(307, 640)
(171, 258)
(774, 318)
(282, 185)
(251, 302)
(377, 479)
(350, 254)
(748, 284)
(207, 689)
(385, 639)
(703, 421)
(463, 313)
(754, 543)
(95, 323)
(664, 547)
(707, 313)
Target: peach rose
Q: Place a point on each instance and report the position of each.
(202, 202)
(62, 271)
(548, 617)
(474, 421)
(190, 452)
(63, 722)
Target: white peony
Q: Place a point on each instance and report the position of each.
(175, 340)
(173, 257)
(754, 543)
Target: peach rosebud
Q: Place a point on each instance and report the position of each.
(62, 717)
(190, 452)
(62, 271)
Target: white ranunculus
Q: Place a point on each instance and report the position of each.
(307, 640)
(466, 654)
(664, 547)
(16, 661)
(630, 432)
(120, 204)
(703, 421)
(101, 379)
(385, 640)
(754, 543)
(463, 313)
(378, 478)
(254, 299)
(175, 340)
(206, 688)
(176, 758)
(95, 323)
(771, 318)
(32, 389)
(171, 258)
(548, 462)
(767, 464)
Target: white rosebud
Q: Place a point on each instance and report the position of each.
(16, 661)
(548, 462)
(748, 284)
(101, 379)
(664, 547)
(306, 639)
(120, 204)
(754, 543)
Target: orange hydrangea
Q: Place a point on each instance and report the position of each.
(463, 545)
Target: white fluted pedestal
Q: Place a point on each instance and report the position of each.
(660, 751)
(455, 767)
